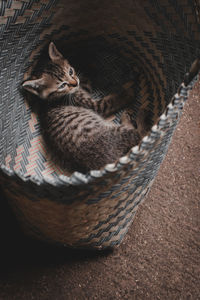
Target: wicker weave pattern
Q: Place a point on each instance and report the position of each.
(158, 42)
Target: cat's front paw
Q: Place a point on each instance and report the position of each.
(86, 85)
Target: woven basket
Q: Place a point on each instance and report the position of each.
(153, 43)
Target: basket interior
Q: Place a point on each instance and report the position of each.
(111, 44)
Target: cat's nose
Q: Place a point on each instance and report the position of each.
(73, 83)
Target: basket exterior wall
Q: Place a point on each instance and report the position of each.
(97, 214)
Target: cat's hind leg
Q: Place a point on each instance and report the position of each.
(142, 123)
(127, 118)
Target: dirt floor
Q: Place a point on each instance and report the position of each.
(159, 258)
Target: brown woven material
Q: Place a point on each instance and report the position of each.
(151, 43)
(159, 258)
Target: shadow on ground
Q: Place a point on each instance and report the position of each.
(20, 253)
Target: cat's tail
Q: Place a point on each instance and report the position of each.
(144, 122)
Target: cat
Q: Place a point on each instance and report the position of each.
(78, 135)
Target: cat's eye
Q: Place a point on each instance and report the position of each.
(71, 71)
(62, 86)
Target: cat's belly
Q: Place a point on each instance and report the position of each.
(81, 140)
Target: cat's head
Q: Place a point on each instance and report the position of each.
(56, 80)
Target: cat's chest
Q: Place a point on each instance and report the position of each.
(65, 112)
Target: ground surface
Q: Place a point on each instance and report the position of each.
(159, 258)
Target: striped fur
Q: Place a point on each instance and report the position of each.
(78, 136)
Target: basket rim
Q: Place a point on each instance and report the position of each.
(76, 178)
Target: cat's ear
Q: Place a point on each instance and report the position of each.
(34, 86)
(54, 54)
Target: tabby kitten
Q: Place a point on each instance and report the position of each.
(78, 135)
